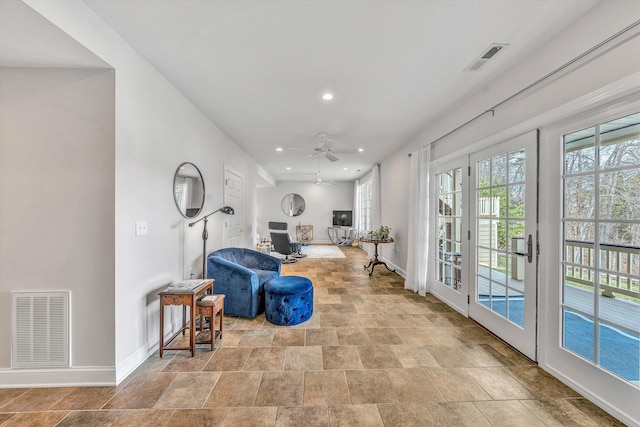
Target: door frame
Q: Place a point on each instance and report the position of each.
(615, 395)
(524, 339)
(457, 299)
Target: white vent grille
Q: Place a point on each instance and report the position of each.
(40, 329)
(488, 54)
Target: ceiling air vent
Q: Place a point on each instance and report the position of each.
(485, 56)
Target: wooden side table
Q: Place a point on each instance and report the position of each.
(185, 298)
(375, 261)
(210, 309)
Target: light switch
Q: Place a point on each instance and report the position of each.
(141, 228)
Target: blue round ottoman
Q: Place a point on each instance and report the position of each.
(288, 300)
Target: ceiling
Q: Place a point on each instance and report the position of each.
(258, 69)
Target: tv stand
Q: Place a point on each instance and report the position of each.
(341, 236)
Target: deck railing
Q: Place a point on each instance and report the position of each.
(618, 268)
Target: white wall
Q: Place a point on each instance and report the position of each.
(57, 193)
(580, 86)
(156, 128)
(321, 201)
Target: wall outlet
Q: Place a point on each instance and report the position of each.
(141, 228)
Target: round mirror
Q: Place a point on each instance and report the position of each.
(293, 204)
(188, 190)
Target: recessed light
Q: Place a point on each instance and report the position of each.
(279, 149)
(346, 169)
(327, 96)
(288, 168)
(361, 149)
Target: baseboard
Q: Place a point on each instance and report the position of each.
(596, 400)
(402, 273)
(58, 377)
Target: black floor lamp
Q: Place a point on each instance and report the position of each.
(205, 234)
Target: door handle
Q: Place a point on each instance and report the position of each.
(529, 253)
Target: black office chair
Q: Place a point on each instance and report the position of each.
(282, 244)
(296, 246)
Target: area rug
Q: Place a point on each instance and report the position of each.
(322, 251)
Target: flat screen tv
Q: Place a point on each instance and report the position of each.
(343, 218)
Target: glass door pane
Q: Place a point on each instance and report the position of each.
(601, 222)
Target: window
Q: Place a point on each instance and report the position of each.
(601, 239)
(365, 206)
(449, 224)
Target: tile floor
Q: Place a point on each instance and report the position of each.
(373, 354)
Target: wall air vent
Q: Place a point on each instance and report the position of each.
(40, 329)
(485, 56)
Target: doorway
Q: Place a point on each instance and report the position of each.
(503, 259)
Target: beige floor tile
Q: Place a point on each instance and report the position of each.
(257, 338)
(352, 336)
(266, 359)
(228, 359)
(230, 338)
(413, 385)
(308, 416)
(250, 417)
(457, 385)
(235, 389)
(451, 357)
(378, 357)
(341, 357)
(485, 355)
(142, 391)
(415, 336)
(40, 419)
(595, 413)
(142, 418)
(559, 412)
(326, 336)
(280, 389)
(289, 337)
(540, 383)
(86, 398)
(406, 415)
(188, 390)
(508, 413)
(499, 384)
(303, 358)
(325, 388)
(414, 356)
(196, 417)
(37, 399)
(355, 416)
(370, 386)
(458, 414)
(383, 336)
(183, 362)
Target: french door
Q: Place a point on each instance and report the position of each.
(503, 206)
(449, 281)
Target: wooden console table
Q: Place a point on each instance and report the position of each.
(185, 298)
(375, 261)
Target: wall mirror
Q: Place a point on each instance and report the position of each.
(293, 204)
(188, 190)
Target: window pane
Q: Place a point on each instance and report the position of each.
(580, 154)
(620, 142)
(516, 166)
(579, 197)
(499, 170)
(620, 194)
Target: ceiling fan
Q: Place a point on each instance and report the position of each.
(319, 181)
(326, 147)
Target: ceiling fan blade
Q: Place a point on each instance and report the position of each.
(331, 157)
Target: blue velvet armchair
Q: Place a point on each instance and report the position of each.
(240, 274)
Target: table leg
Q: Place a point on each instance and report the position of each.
(192, 326)
(161, 327)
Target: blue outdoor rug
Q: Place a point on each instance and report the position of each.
(619, 351)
